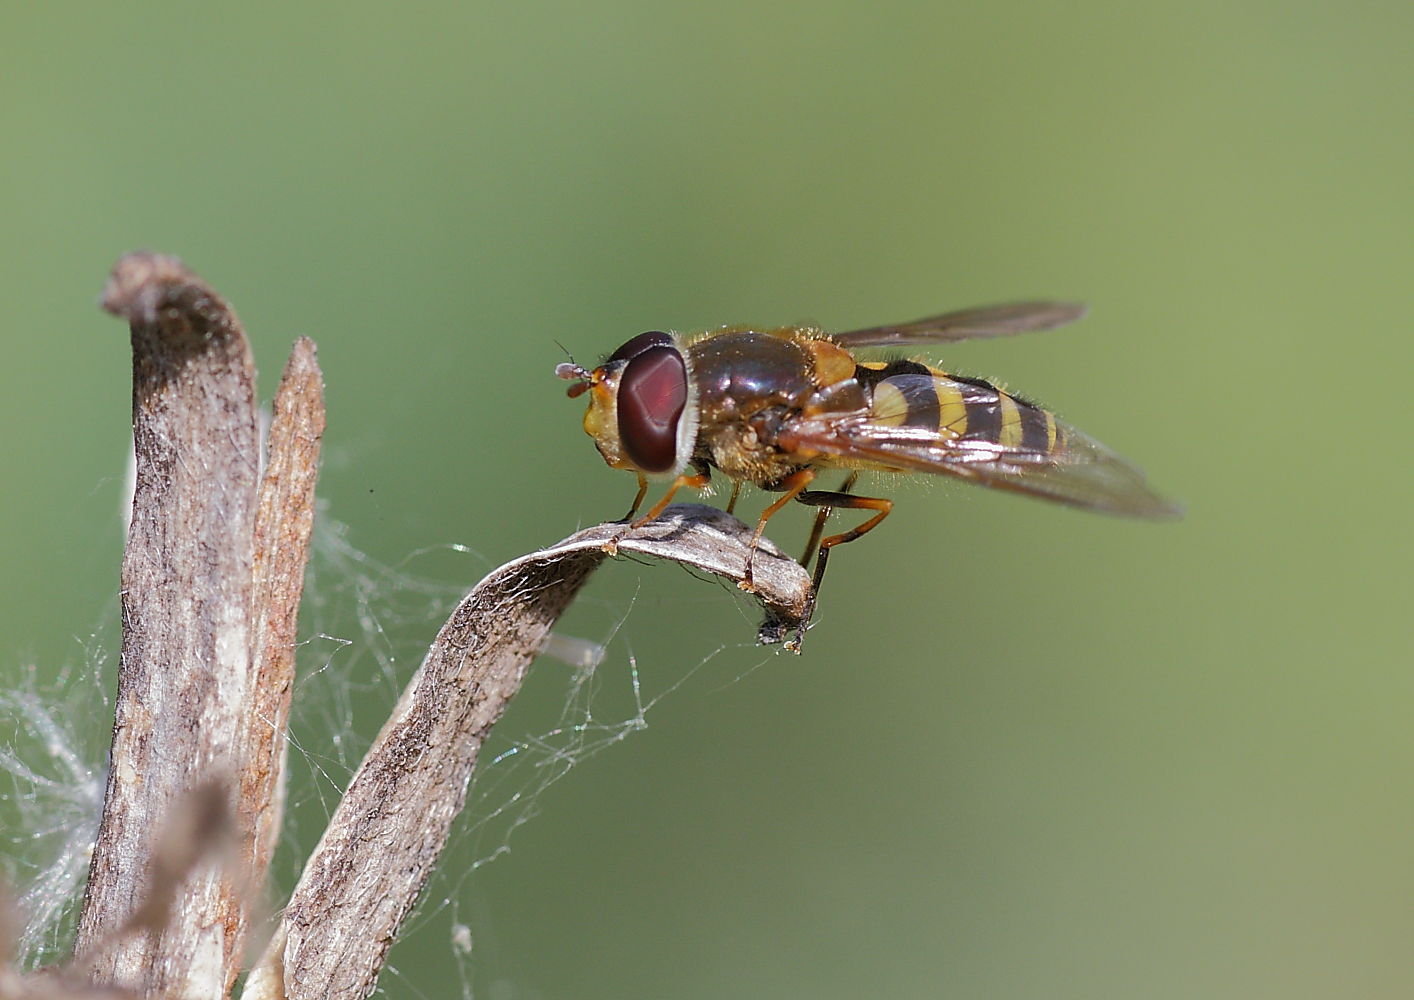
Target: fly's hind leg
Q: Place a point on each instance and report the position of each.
(821, 518)
(836, 500)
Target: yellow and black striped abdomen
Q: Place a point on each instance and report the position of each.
(907, 394)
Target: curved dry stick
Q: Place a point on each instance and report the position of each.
(388, 830)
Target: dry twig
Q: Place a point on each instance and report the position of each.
(393, 821)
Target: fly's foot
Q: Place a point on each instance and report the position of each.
(630, 524)
(794, 643)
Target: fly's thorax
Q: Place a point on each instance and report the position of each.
(831, 364)
(740, 371)
(750, 383)
(750, 451)
(642, 410)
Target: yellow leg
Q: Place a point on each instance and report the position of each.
(794, 485)
(697, 481)
(637, 498)
(612, 545)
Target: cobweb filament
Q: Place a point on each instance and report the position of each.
(56, 796)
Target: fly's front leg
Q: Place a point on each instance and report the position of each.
(821, 498)
(699, 480)
(637, 499)
(794, 486)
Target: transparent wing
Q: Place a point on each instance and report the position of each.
(967, 324)
(984, 435)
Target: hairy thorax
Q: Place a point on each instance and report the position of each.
(750, 383)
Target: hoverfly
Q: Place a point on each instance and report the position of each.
(776, 407)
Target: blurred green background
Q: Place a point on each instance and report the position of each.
(1028, 752)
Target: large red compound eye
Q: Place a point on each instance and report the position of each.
(652, 394)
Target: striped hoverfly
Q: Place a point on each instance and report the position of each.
(777, 407)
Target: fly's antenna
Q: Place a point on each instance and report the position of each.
(571, 371)
(565, 349)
